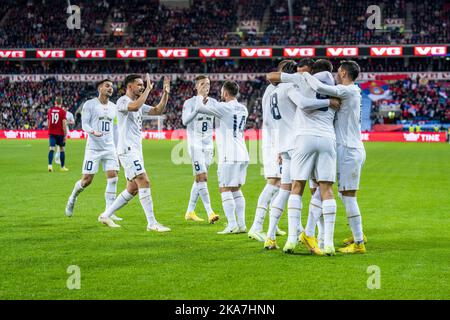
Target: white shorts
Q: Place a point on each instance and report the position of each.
(133, 164)
(232, 174)
(314, 156)
(286, 167)
(272, 168)
(92, 159)
(201, 160)
(349, 165)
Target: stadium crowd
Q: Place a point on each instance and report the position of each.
(209, 66)
(219, 23)
(417, 100)
(23, 105)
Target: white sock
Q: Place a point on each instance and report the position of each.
(193, 199)
(320, 229)
(239, 201)
(329, 218)
(229, 206)
(202, 188)
(111, 189)
(276, 210)
(145, 196)
(354, 217)
(294, 216)
(120, 201)
(77, 189)
(263, 201)
(315, 211)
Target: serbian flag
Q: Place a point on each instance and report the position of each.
(376, 90)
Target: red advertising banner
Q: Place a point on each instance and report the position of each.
(405, 136)
(249, 135)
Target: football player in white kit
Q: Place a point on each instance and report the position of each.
(271, 161)
(231, 118)
(97, 121)
(131, 107)
(284, 109)
(199, 128)
(350, 149)
(314, 155)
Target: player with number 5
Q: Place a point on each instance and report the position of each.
(131, 107)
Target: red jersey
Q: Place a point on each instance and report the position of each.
(55, 116)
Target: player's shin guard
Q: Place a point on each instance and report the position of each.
(77, 189)
(354, 217)
(229, 206)
(193, 198)
(50, 157)
(145, 196)
(263, 202)
(123, 198)
(239, 201)
(276, 211)
(110, 192)
(63, 158)
(329, 217)
(315, 211)
(294, 216)
(202, 188)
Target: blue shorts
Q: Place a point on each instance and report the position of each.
(56, 140)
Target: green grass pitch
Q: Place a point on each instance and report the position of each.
(405, 203)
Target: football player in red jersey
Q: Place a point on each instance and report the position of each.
(57, 130)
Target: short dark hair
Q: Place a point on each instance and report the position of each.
(98, 84)
(322, 65)
(200, 77)
(58, 101)
(287, 66)
(232, 87)
(306, 62)
(352, 68)
(131, 78)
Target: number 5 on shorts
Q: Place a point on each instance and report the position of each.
(137, 165)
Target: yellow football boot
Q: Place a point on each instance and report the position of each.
(353, 248)
(351, 240)
(192, 216)
(311, 244)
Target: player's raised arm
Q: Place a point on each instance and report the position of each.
(207, 106)
(86, 121)
(310, 103)
(159, 108)
(139, 102)
(322, 88)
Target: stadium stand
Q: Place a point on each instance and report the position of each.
(214, 23)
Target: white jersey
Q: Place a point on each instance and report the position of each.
(231, 119)
(283, 110)
(199, 127)
(347, 124)
(129, 125)
(99, 117)
(311, 120)
(348, 118)
(269, 129)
